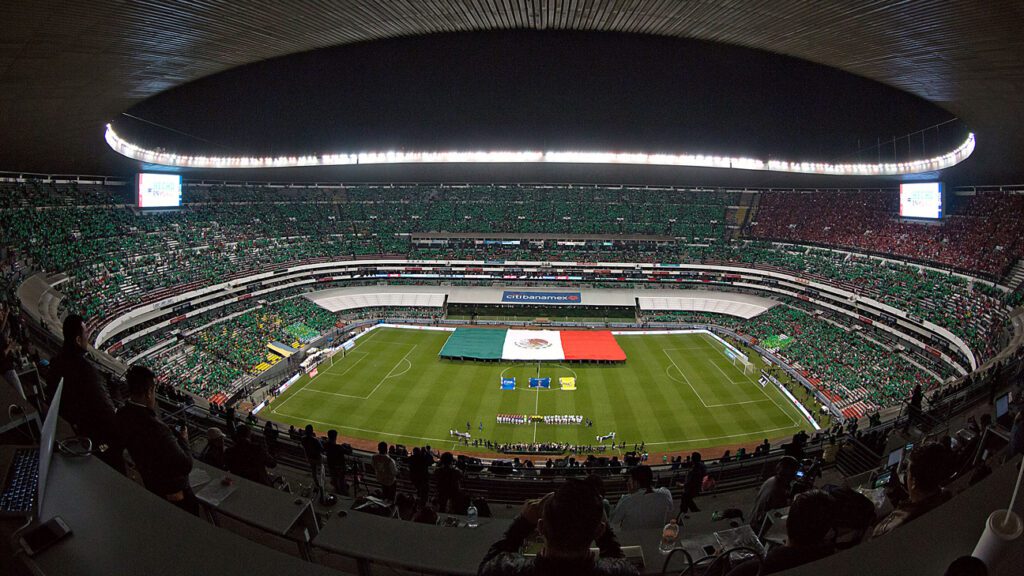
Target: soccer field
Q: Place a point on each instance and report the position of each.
(674, 392)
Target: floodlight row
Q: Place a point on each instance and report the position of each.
(160, 157)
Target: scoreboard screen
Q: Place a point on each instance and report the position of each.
(922, 200)
(159, 190)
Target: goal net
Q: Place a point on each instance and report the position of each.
(743, 365)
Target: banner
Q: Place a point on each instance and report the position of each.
(541, 297)
(540, 382)
(508, 383)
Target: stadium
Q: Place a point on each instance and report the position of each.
(370, 288)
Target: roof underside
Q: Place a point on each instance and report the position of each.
(66, 69)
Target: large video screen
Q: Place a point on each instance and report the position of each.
(159, 190)
(921, 200)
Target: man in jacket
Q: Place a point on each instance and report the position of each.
(569, 519)
(162, 457)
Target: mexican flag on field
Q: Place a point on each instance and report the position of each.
(532, 345)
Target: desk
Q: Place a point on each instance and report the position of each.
(120, 528)
(434, 549)
(420, 547)
(263, 507)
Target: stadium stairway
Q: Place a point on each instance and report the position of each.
(856, 458)
(1015, 277)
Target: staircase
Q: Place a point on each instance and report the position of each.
(1015, 277)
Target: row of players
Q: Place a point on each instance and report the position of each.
(559, 419)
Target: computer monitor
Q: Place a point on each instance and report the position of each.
(1002, 405)
(46, 441)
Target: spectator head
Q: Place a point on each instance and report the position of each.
(309, 430)
(642, 478)
(695, 457)
(787, 467)
(75, 332)
(967, 566)
(332, 436)
(214, 436)
(447, 459)
(571, 518)
(929, 467)
(382, 448)
(141, 385)
(810, 519)
(596, 483)
(426, 515)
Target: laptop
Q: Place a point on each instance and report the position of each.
(25, 468)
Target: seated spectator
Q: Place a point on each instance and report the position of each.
(928, 468)
(213, 454)
(449, 482)
(644, 506)
(709, 483)
(386, 471)
(568, 519)
(809, 534)
(162, 457)
(774, 493)
(248, 457)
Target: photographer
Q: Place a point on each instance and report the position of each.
(569, 519)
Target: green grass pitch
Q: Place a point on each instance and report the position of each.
(674, 392)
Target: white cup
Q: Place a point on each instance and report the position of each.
(999, 532)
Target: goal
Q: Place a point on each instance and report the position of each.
(743, 365)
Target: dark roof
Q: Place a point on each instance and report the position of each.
(66, 69)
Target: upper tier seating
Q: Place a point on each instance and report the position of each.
(982, 233)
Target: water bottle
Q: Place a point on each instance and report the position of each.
(669, 536)
(471, 516)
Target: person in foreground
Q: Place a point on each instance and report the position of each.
(162, 456)
(809, 536)
(568, 519)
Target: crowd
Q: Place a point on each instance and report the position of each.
(980, 233)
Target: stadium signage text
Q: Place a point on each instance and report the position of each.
(541, 297)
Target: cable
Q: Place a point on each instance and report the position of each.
(689, 559)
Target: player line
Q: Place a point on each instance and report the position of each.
(684, 377)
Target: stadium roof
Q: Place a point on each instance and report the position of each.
(67, 69)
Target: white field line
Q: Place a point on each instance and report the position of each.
(667, 355)
(389, 374)
(669, 374)
(761, 390)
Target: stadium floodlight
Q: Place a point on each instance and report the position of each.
(951, 158)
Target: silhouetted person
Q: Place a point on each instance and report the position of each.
(248, 457)
(568, 519)
(692, 484)
(85, 403)
(313, 450)
(336, 463)
(807, 530)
